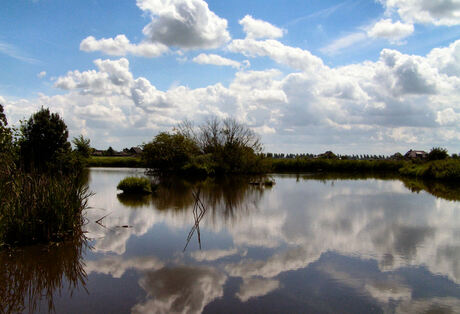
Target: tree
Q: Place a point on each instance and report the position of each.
(438, 153)
(82, 146)
(109, 151)
(43, 142)
(169, 152)
(5, 133)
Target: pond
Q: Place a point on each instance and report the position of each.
(305, 244)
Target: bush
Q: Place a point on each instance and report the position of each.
(448, 169)
(438, 153)
(136, 185)
(216, 147)
(169, 152)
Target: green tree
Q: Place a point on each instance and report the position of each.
(169, 152)
(438, 153)
(43, 142)
(82, 146)
(109, 151)
(5, 133)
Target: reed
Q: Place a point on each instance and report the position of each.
(40, 208)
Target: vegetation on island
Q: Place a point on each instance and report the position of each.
(41, 195)
(213, 148)
(136, 185)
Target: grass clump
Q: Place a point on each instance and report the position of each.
(136, 185)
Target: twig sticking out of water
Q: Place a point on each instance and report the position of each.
(197, 217)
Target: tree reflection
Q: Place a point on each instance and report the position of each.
(31, 276)
(224, 195)
(442, 189)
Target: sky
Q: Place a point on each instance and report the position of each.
(355, 76)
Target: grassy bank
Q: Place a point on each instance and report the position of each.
(448, 169)
(122, 162)
(335, 165)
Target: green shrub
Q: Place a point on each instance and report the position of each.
(136, 185)
(438, 153)
(448, 169)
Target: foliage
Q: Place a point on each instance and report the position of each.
(105, 161)
(447, 169)
(216, 147)
(40, 208)
(43, 142)
(169, 152)
(334, 165)
(82, 146)
(5, 133)
(109, 152)
(438, 153)
(41, 195)
(136, 185)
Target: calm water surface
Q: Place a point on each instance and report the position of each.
(303, 245)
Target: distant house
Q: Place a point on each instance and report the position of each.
(98, 152)
(416, 154)
(135, 151)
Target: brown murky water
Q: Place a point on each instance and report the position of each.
(303, 245)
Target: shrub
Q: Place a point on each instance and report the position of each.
(438, 153)
(169, 152)
(136, 185)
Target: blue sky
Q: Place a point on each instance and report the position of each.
(349, 76)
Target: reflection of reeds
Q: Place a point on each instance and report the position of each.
(31, 276)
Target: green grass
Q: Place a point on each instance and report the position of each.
(136, 185)
(123, 162)
(448, 169)
(334, 165)
(38, 208)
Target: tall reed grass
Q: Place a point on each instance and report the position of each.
(38, 207)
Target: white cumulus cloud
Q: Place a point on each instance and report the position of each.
(255, 28)
(438, 12)
(393, 32)
(188, 24)
(214, 59)
(121, 46)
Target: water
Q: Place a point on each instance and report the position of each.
(303, 245)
